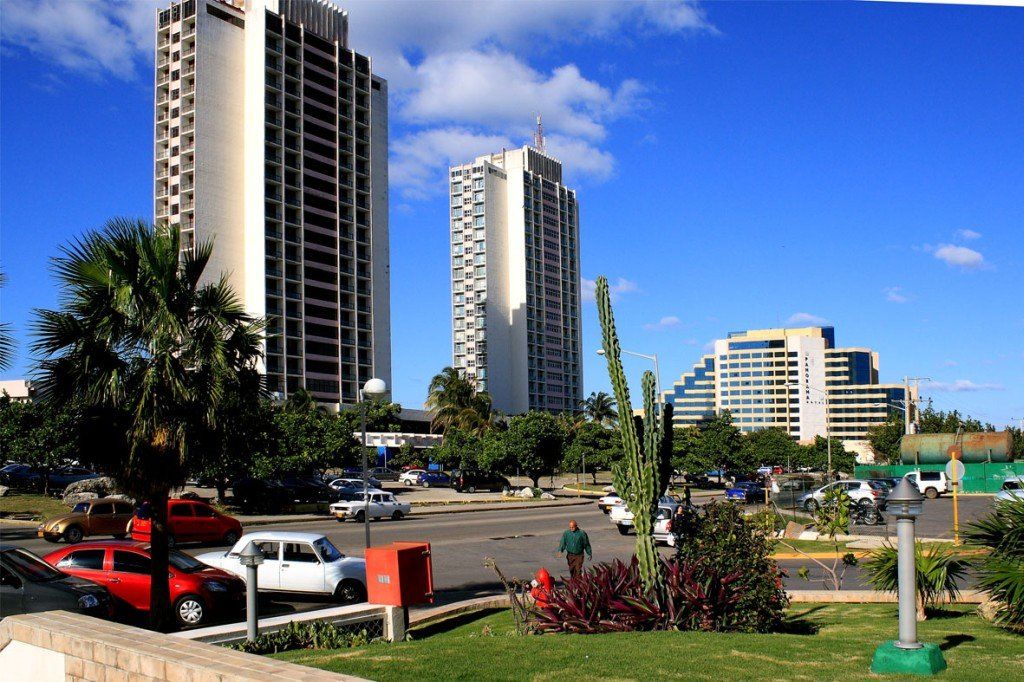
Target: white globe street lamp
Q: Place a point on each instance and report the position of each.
(373, 389)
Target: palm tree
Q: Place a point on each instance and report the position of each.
(146, 340)
(1001, 569)
(600, 408)
(6, 337)
(455, 403)
(939, 569)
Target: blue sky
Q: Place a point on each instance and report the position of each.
(739, 165)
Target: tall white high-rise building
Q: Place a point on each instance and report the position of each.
(271, 140)
(514, 231)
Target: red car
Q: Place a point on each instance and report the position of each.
(197, 591)
(189, 521)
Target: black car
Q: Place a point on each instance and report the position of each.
(309, 490)
(259, 495)
(471, 481)
(25, 477)
(29, 585)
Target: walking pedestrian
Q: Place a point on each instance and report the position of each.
(575, 542)
(686, 494)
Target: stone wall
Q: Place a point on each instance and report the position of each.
(58, 646)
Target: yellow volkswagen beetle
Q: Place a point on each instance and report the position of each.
(103, 516)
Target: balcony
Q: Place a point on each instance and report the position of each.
(189, 89)
(189, 50)
(188, 31)
(188, 127)
(186, 167)
(161, 98)
(162, 154)
(163, 79)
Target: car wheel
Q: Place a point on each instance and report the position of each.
(73, 534)
(230, 538)
(189, 611)
(471, 489)
(426, 484)
(397, 516)
(407, 482)
(349, 591)
(811, 505)
(623, 530)
(360, 515)
(931, 493)
(505, 489)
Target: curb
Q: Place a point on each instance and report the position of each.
(457, 508)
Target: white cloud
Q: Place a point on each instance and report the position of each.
(806, 318)
(960, 257)
(895, 295)
(666, 322)
(968, 235)
(419, 161)
(620, 286)
(960, 386)
(96, 37)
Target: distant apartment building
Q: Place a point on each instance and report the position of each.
(514, 230)
(271, 140)
(18, 390)
(780, 378)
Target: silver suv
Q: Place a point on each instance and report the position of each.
(860, 492)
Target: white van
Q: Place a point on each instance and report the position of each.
(930, 483)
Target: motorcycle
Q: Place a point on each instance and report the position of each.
(866, 515)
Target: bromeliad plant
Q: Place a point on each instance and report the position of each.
(643, 475)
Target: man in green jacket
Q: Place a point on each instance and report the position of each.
(574, 543)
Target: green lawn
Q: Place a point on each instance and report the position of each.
(39, 506)
(827, 642)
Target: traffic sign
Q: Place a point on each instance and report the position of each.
(955, 470)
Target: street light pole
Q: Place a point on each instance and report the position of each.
(653, 357)
(372, 390)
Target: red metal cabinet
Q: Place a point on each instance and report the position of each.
(400, 574)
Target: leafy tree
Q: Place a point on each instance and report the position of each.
(148, 343)
(885, 439)
(1018, 441)
(772, 446)
(533, 444)
(455, 403)
(594, 445)
(815, 456)
(720, 442)
(460, 450)
(933, 421)
(45, 436)
(600, 408)
(408, 455)
(687, 454)
(309, 441)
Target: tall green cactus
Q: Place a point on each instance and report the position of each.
(642, 476)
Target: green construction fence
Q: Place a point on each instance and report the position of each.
(985, 477)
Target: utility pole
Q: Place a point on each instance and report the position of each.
(911, 404)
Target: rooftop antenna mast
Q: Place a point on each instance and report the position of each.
(538, 136)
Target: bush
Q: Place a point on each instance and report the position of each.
(315, 634)
(1001, 571)
(722, 579)
(938, 570)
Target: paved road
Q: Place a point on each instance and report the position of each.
(520, 541)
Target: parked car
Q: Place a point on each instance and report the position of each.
(606, 503)
(357, 481)
(346, 489)
(261, 495)
(410, 476)
(930, 483)
(25, 477)
(471, 481)
(297, 562)
(357, 473)
(1012, 489)
(433, 478)
(860, 492)
(623, 518)
(662, 530)
(790, 491)
(384, 474)
(29, 585)
(198, 591)
(746, 491)
(382, 506)
(189, 521)
(309, 490)
(104, 516)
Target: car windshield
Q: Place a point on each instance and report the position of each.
(30, 566)
(184, 562)
(80, 508)
(878, 485)
(327, 551)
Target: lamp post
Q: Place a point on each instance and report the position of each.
(373, 389)
(653, 358)
(828, 426)
(251, 558)
(906, 654)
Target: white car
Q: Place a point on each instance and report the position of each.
(623, 518)
(297, 562)
(1012, 489)
(930, 483)
(606, 503)
(409, 477)
(860, 492)
(382, 506)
